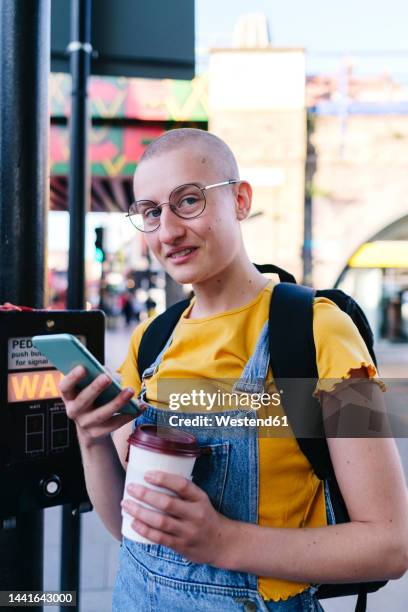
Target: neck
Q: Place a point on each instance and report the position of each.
(234, 287)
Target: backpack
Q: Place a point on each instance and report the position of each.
(292, 355)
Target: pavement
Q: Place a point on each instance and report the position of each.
(100, 550)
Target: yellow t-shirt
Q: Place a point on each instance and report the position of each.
(218, 347)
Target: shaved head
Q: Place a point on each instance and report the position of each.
(212, 150)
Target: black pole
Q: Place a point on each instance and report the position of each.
(25, 59)
(78, 196)
(78, 193)
(24, 127)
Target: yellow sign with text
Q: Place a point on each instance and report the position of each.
(34, 386)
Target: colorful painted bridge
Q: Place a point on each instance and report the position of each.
(126, 115)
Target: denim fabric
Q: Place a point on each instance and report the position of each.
(152, 369)
(152, 577)
(253, 377)
(331, 520)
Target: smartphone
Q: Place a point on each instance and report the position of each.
(65, 352)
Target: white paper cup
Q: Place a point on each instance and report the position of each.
(152, 448)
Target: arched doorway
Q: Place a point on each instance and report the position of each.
(376, 275)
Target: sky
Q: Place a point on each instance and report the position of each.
(376, 29)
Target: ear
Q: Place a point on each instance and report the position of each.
(243, 200)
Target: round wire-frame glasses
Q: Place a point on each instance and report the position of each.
(187, 201)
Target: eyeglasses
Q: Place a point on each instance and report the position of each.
(186, 201)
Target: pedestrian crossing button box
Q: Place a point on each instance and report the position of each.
(40, 460)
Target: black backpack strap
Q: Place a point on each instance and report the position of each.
(284, 276)
(291, 326)
(361, 605)
(293, 363)
(157, 334)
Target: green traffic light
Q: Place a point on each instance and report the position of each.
(99, 255)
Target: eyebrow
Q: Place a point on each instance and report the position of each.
(196, 183)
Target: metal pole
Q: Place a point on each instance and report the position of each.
(24, 121)
(22, 556)
(24, 127)
(80, 50)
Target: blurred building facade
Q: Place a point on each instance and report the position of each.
(348, 132)
(265, 125)
(359, 132)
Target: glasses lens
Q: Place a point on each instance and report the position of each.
(145, 215)
(187, 201)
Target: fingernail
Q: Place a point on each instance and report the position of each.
(105, 379)
(129, 391)
(150, 476)
(78, 370)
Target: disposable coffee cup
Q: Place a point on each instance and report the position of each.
(156, 448)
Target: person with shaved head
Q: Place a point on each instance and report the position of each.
(252, 529)
(212, 147)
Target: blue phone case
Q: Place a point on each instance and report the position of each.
(65, 352)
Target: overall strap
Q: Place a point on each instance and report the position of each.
(293, 364)
(157, 334)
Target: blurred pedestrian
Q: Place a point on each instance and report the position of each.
(127, 307)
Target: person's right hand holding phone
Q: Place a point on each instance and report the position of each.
(93, 423)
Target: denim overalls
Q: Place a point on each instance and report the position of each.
(153, 578)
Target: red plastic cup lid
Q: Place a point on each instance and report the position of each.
(165, 440)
